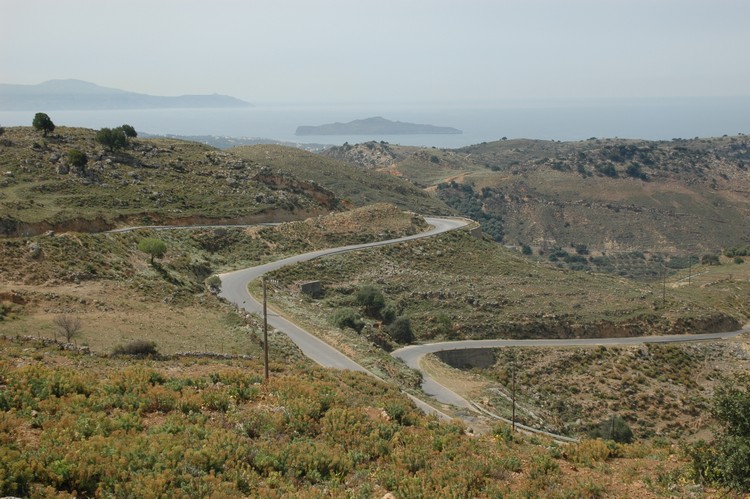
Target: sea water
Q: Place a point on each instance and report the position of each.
(652, 119)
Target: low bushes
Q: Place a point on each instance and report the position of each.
(139, 348)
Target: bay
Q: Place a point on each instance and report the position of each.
(565, 120)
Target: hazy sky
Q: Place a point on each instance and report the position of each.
(383, 50)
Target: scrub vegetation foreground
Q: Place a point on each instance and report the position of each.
(79, 424)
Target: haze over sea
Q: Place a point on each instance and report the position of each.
(653, 119)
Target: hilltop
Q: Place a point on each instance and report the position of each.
(170, 181)
(80, 95)
(152, 181)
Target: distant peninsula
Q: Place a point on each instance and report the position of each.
(375, 126)
(55, 95)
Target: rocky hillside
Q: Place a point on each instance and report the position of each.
(355, 185)
(45, 186)
(456, 286)
(608, 194)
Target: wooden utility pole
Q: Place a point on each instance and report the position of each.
(265, 330)
(513, 390)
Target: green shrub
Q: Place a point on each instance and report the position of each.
(444, 325)
(76, 158)
(372, 299)
(112, 138)
(634, 170)
(615, 428)
(727, 460)
(503, 433)
(140, 348)
(511, 463)
(401, 331)
(543, 465)
(347, 317)
(607, 170)
(709, 259)
(737, 251)
(389, 314)
(214, 282)
(129, 131)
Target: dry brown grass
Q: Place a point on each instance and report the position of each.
(112, 314)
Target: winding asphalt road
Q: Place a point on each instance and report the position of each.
(413, 354)
(234, 288)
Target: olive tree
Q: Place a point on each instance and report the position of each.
(156, 248)
(129, 131)
(43, 123)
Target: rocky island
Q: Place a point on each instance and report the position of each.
(376, 125)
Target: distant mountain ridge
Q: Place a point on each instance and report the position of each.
(55, 95)
(376, 125)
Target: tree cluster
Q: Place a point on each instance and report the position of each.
(710, 259)
(115, 139)
(484, 206)
(373, 304)
(737, 251)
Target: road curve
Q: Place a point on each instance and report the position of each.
(234, 289)
(413, 354)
